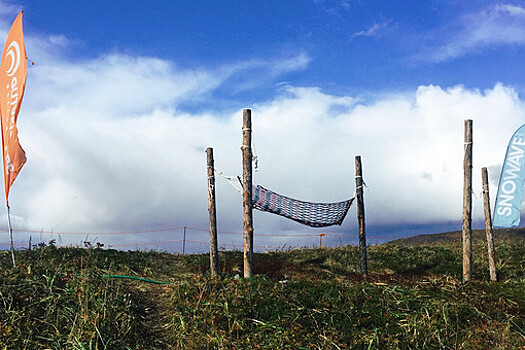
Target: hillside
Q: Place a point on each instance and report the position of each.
(500, 235)
(63, 298)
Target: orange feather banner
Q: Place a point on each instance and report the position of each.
(13, 74)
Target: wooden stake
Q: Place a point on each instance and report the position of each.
(321, 235)
(184, 240)
(247, 192)
(214, 257)
(467, 203)
(361, 215)
(488, 224)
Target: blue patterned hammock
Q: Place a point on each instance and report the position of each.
(307, 213)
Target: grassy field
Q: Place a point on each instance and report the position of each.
(58, 298)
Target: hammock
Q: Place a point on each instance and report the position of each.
(306, 213)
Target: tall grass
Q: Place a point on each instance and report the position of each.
(300, 299)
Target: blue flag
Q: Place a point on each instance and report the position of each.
(511, 183)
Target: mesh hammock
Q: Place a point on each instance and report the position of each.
(311, 214)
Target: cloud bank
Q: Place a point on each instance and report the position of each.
(110, 147)
(132, 162)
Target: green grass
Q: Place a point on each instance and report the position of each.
(300, 299)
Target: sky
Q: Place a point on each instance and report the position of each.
(124, 97)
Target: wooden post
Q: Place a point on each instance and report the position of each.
(467, 203)
(214, 257)
(361, 215)
(247, 192)
(488, 224)
(184, 240)
(321, 235)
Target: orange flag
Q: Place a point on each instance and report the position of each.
(13, 73)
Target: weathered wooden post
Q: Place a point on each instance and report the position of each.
(247, 192)
(214, 257)
(467, 203)
(184, 240)
(361, 215)
(488, 224)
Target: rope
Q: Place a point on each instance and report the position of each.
(485, 189)
(362, 181)
(139, 244)
(255, 160)
(275, 235)
(232, 180)
(193, 229)
(103, 233)
(292, 236)
(179, 240)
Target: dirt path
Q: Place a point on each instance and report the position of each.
(154, 312)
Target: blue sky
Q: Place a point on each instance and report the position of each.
(125, 96)
(356, 47)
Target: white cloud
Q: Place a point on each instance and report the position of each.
(117, 85)
(296, 63)
(375, 30)
(495, 26)
(369, 32)
(253, 73)
(9, 9)
(95, 170)
(511, 9)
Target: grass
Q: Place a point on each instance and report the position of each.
(300, 299)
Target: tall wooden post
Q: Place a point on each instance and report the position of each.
(467, 203)
(488, 224)
(361, 215)
(214, 257)
(247, 192)
(184, 240)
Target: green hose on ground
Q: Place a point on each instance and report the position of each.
(119, 276)
(134, 278)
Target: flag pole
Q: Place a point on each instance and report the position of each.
(13, 68)
(10, 228)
